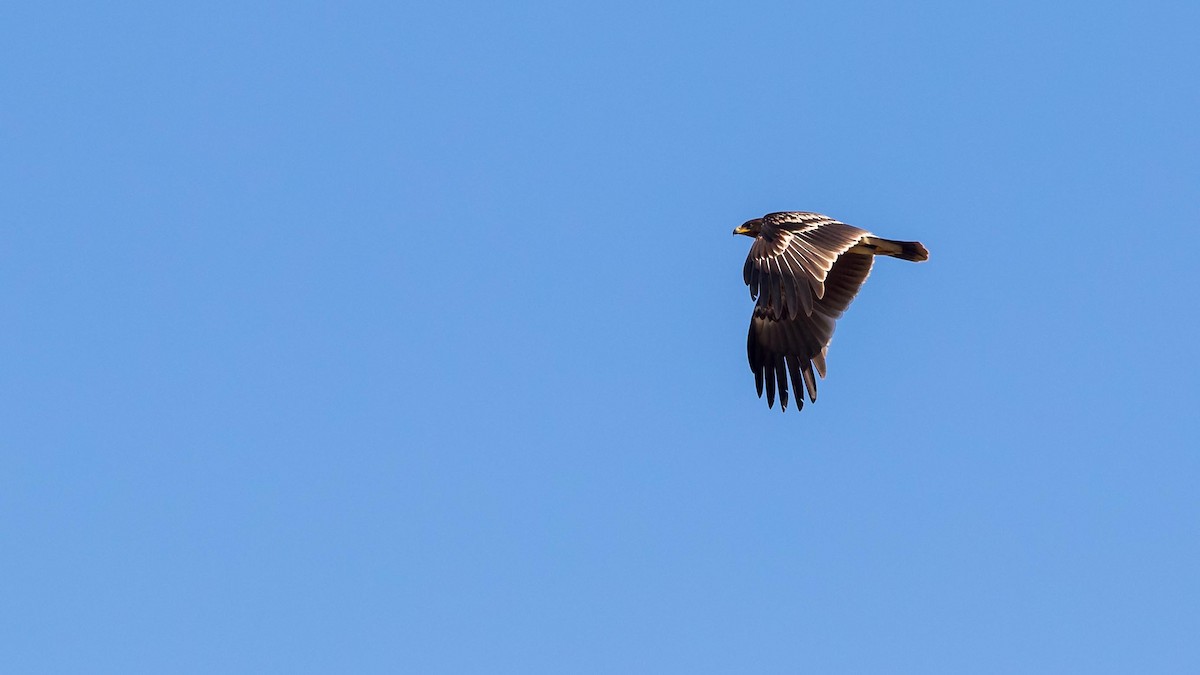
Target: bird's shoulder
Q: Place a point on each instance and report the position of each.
(796, 221)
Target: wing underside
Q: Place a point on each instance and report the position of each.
(803, 282)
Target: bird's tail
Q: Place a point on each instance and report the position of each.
(904, 250)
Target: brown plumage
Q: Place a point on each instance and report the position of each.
(804, 269)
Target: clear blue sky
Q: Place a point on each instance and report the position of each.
(386, 337)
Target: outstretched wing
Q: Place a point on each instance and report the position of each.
(791, 258)
(779, 345)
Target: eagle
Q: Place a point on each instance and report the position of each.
(803, 270)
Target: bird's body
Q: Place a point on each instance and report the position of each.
(804, 269)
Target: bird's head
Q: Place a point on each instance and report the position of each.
(749, 228)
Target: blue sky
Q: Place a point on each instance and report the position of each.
(377, 338)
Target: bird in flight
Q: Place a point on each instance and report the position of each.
(803, 270)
